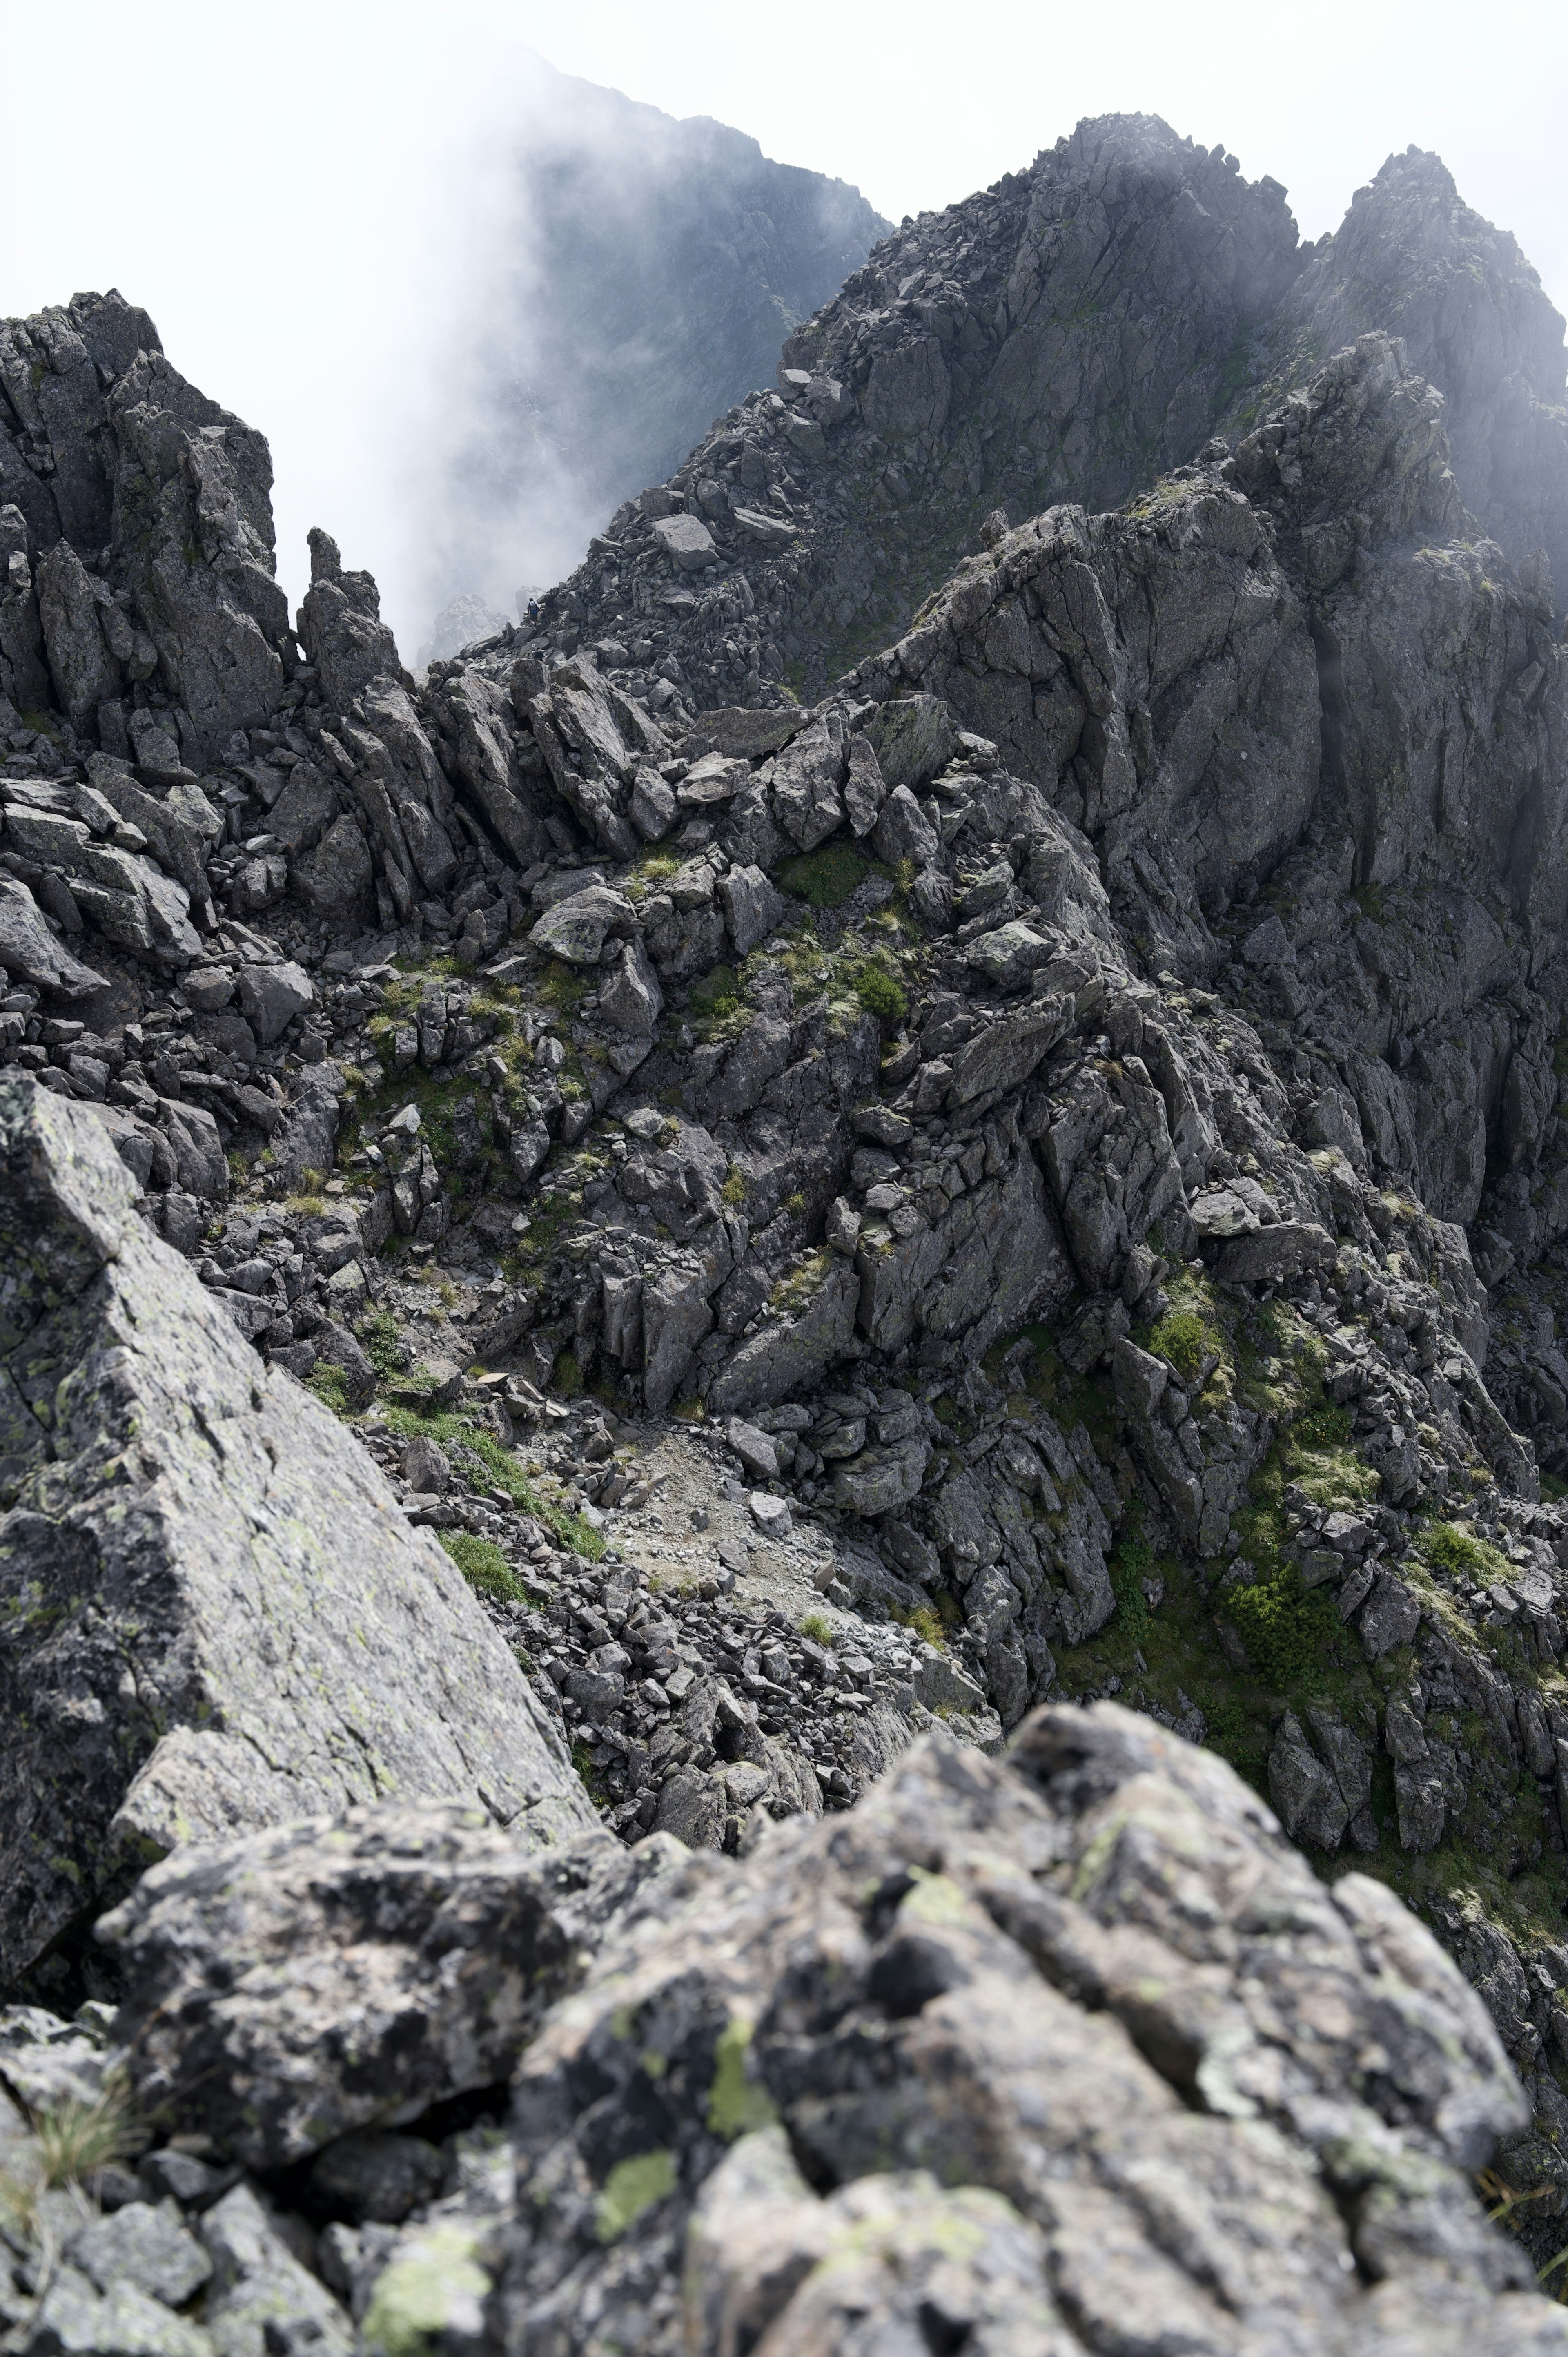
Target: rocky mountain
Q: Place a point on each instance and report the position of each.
(867, 1230)
(656, 267)
(1065, 335)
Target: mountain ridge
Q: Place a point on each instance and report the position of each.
(1001, 318)
(1034, 1184)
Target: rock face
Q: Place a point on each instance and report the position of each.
(216, 1618)
(1069, 2053)
(407, 1952)
(1412, 258)
(1064, 336)
(107, 454)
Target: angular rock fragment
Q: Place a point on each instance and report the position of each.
(296, 1985)
(214, 1591)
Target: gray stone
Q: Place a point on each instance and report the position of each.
(576, 927)
(379, 2176)
(960, 1976)
(145, 2246)
(271, 996)
(758, 1451)
(913, 738)
(686, 541)
(653, 806)
(1390, 1618)
(711, 781)
(1270, 1255)
(425, 1466)
(32, 953)
(1422, 1805)
(1311, 1805)
(808, 776)
(879, 1480)
(1002, 1054)
(751, 905)
(788, 1356)
(769, 531)
(630, 997)
(1011, 955)
(260, 2299)
(691, 1809)
(72, 2321)
(348, 1929)
(249, 1567)
(336, 877)
(48, 2062)
(1220, 1212)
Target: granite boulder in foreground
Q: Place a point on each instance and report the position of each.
(1060, 2052)
(213, 1615)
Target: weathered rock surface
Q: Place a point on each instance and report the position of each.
(293, 1987)
(1068, 2051)
(217, 1619)
(1065, 335)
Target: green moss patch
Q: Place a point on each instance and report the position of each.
(826, 878)
(505, 1473)
(881, 992)
(484, 1567)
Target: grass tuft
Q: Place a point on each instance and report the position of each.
(76, 2139)
(825, 878)
(881, 993)
(484, 1567)
(452, 1430)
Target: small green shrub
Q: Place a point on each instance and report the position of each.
(1448, 1546)
(1326, 1427)
(818, 1627)
(561, 986)
(331, 1388)
(734, 1188)
(504, 1470)
(881, 993)
(484, 1567)
(925, 1623)
(825, 878)
(381, 1340)
(593, 1782)
(716, 996)
(1185, 1340)
(1130, 1563)
(1285, 1628)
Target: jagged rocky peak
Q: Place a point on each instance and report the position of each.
(137, 516)
(1412, 258)
(1062, 336)
(853, 1219)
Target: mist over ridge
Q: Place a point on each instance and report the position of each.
(643, 280)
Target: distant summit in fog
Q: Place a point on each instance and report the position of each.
(657, 267)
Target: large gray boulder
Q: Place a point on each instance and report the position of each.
(214, 1615)
(1066, 2052)
(297, 1984)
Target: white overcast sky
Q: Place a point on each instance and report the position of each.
(304, 195)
